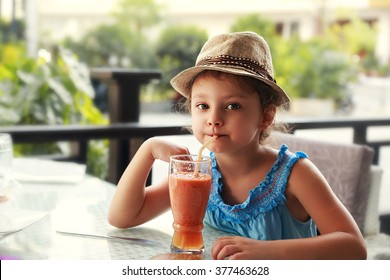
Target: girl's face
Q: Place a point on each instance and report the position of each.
(226, 107)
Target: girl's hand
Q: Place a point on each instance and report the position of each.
(134, 204)
(162, 150)
(238, 248)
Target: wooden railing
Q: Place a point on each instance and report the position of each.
(129, 131)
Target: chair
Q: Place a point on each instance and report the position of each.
(349, 171)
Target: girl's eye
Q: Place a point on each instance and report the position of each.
(233, 106)
(202, 106)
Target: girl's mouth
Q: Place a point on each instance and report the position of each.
(216, 136)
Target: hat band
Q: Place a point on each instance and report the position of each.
(241, 62)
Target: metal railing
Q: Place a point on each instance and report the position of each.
(359, 126)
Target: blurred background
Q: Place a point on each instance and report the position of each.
(331, 56)
(334, 51)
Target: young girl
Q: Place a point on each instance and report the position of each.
(273, 201)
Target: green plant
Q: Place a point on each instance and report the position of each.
(370, 65)
(11, 31)
(290, 57)
(259, 24)
(313, 69)
(354, 37)
(319, 68)
(327, 76)
(137, 15)
(47, 91)
(51, 89)
(114, 46)
(177, 49)
(357, 38)
(124, 42)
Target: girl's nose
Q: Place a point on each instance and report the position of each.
(215, 119)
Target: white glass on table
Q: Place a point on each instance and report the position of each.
(12, 217)
(7, 184)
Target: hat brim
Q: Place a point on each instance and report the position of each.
(183, 81)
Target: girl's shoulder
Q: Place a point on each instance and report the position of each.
(282, 163)
(282, 156)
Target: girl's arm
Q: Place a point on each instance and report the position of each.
(340, 237)
(134, 203)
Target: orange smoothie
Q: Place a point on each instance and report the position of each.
(189, 194)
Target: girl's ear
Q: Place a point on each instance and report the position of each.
(269, 113)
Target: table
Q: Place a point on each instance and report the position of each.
(82, 207)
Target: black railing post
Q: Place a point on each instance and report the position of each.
(360, 134)
(124, 105)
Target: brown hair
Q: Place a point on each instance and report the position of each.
(265, 93)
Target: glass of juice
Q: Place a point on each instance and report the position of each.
(189, 189)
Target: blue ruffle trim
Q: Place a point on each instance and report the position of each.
(263, 198)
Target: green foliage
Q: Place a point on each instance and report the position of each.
(52, 89)
(290, 57)
(316, 68)
(371, 66)
(122, 43)
(11, 31)
(258, 24)
(327, 76)
(47, 92)
(107, 42)
(354, 37)
(177, 49)
(137, 15)
(313, 69)
(97, 158)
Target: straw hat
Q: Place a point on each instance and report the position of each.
(240, 53)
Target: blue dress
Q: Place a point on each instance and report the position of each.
(264, 215)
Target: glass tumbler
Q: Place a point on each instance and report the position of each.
(6, 155)
(189, 189)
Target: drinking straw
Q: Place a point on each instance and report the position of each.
(200, 153)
